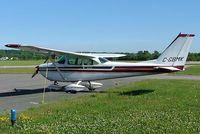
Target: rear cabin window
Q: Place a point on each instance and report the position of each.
(102, 60)
(86, 62)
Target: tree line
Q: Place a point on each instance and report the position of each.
(139, 56)
(21, 55)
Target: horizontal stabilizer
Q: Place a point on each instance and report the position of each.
(168, 68)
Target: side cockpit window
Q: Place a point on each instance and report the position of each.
(72, 61)
(61, 60)
(76, 61)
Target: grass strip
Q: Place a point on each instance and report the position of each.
(150, 106)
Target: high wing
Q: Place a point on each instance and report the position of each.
(49, 51)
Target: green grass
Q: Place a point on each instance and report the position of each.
(17, 70)
(191, 70)
(150, 106)
(20, 62)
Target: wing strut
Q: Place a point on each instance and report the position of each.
(60, 73)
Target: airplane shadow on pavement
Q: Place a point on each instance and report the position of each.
(18, 92)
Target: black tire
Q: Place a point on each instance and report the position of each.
(73, 91)
(91, 89)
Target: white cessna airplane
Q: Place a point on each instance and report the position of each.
(83, 68)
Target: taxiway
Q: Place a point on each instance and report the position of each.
(20, 91)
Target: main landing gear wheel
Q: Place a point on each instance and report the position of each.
(55, 87)
(71, 91)
(90, 86)
(55, 83)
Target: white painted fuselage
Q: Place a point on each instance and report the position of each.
(108, 70)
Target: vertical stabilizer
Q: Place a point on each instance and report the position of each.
(177, 52)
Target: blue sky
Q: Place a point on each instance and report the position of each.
(99, 25)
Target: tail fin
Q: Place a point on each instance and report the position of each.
(177, 52)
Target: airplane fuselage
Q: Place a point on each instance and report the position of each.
(108, 70)
(79, 67)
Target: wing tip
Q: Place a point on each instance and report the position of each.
(13, 45)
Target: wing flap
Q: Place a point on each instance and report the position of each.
(107, 55)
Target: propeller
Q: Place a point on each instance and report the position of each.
(36, 71)
(37, 67)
